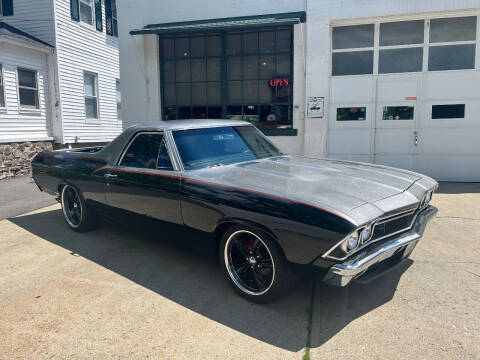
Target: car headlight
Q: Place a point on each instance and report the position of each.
(366, 234)
(426, 199)
(348, 244)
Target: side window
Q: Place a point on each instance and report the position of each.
(147, 151)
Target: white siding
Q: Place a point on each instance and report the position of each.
(80, 48)
(15, 124)
(34, 17)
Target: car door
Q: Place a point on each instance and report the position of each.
(144, 182)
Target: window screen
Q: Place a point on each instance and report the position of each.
(147, 151)
(398, 113)
(456, 111)
(351, 113)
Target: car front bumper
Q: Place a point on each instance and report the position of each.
(376, 260)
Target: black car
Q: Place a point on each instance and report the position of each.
(222, 183)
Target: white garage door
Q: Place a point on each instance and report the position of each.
(411, 102)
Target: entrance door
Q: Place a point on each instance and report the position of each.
(395, 132)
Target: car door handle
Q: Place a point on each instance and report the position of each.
(110, 176)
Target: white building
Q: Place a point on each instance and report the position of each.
(384, 81)
(59, 77)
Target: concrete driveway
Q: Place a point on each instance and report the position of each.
(113, 293)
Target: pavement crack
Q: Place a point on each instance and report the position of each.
(306, 356)
(457, 217)
(473, 273)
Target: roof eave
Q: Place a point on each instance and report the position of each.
(12, 40)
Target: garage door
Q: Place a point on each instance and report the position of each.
(428, 123)
(406, 94)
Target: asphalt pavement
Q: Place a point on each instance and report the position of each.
(20, 195)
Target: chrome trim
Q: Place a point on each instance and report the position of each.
(341, 274)
(234, 276)
(168, 144)
(379, 221)
(174, 154)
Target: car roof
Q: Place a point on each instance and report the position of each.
(188, 124)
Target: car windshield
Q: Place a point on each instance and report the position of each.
(209, 147)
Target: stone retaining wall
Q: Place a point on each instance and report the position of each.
(15, 157)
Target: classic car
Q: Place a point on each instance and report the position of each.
(222, 183)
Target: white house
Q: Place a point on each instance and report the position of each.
(59, 77)
(382, 81)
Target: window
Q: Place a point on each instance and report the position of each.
(147, 151)
(450, 55)
(28, 88)
(111, 17)
(235, 74)
(456, 111)
(398, 113)
(403, 46)
(351, 113)
(90, 85)
(86, 11)
(119, 100)
(6, 7)
(409, 57)
(352, 48)
(209, 147)
(2, 88)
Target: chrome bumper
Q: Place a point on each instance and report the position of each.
(342, 273)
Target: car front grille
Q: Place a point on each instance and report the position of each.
(393, 225)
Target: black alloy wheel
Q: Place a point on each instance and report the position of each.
(75, 211)
(249, 262)
(72, 206)
(254, 264)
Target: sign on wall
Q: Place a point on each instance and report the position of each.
(315, 107)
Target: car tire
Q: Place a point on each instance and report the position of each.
(254, 264)
(77, 214)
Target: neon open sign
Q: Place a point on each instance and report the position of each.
(279, 82)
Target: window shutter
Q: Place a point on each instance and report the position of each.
(108, 17)
(74, 10)
(98, 15)
(7, 7)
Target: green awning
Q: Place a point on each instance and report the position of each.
(233, 23)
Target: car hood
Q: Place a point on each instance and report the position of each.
(358, 191)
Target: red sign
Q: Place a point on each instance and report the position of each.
(279, 82)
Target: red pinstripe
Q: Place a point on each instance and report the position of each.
(107, 168)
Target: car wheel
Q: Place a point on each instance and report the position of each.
(75, 211)
(254, 265)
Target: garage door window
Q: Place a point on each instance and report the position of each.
(398, 113)
(351, 114)
(408, 58)
(456, 111)
(352, 50)
(445, 51)
(405, 46)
